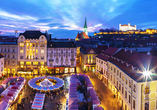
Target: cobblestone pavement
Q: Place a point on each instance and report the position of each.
(51, 105)
(108, 102)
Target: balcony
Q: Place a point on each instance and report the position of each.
(51, 59)
(72, 59)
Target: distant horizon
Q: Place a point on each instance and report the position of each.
(63, 19)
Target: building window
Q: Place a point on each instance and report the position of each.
(1, 49)
(42, 51)
(36, 50)
(111, 68)
(126, 94)
(120, 74)
(8, 50)
(21, 44)
(8, 62)
(114, 70)
(21, 57)
(111, 77)
(13, 56)
(114, 81)
(134, 104)
(117, 72)
(8, 56)
(146, 89)
(134, 88)
(13, 50)
(119, 86)
(130, 83)
(21, 51)
(123, 77)
(122, 90)
(126, 81)
(117, 83)
(129, 99)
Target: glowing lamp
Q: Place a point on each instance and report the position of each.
(147, 73)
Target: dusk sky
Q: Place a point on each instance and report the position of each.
(64, 18)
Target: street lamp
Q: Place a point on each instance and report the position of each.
(147, 73)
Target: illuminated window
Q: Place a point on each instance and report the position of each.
(146, 89)
(21, 63)
(126, 81)
(42, 51)
(123, 77)
(36, 50)
(42, 63)
(35, 63)
(31, 44)
(21, 66)
(21, 44)
(21, 51)
(28, 63)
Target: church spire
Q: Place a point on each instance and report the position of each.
(85, 25)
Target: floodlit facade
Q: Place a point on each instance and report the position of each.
(61, 57)
(125, 78)
(32, 52)
(8, 47)
(127, 27)
(1, 65)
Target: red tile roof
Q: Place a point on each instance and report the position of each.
(82, 35)
(138, 60)
(105, 55)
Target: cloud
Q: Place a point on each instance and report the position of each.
(7, 15)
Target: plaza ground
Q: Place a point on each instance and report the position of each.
(108, 102)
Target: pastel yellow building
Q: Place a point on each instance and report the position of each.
(132, 78)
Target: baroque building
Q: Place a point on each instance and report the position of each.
(32, 52)
(61, 57)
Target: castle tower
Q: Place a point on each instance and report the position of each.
(85, 29)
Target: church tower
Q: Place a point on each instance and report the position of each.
(85, 29)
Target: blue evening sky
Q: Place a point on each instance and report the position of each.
(64, 18)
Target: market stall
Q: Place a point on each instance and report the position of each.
(38, 101)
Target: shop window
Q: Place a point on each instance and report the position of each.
(72, 70)
(146, 89)
(28, 63)
(35, 63)
(66, 70)
(21, 63)
(36, 50)
(42, 63)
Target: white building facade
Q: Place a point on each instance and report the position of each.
(127, 27)
(61, 57)
(32, 52)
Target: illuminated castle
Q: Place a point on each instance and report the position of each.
(126, 27)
